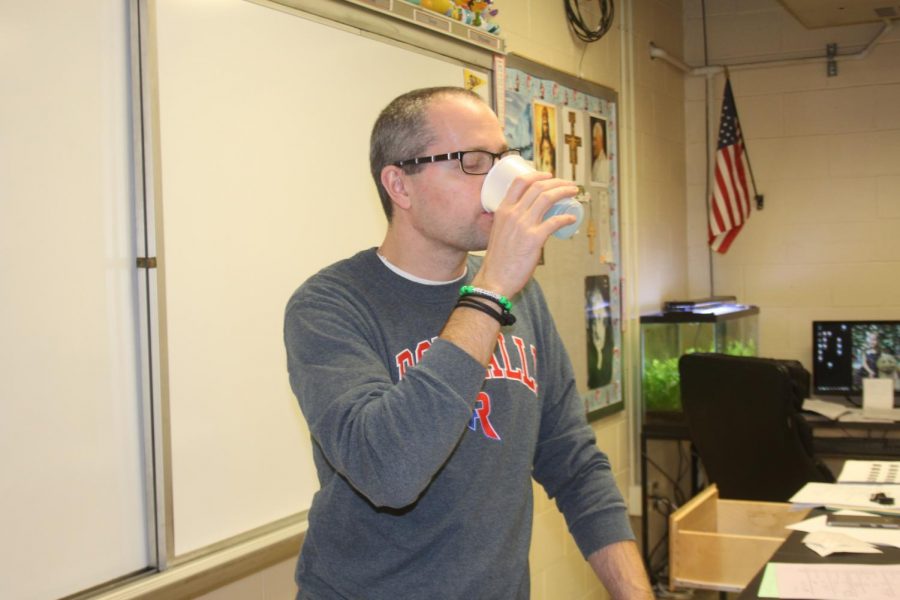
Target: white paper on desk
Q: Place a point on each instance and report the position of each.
(826, 543)
(830, 581)
(872, 535)
(870, 471)
(848, 495)
(832, 410)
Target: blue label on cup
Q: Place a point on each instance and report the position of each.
(569, 206)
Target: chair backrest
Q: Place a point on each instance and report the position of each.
(743, 417)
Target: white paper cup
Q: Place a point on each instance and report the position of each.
(501, 176)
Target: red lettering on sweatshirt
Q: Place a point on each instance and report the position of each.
(494, 370)
(421, 348)
(526, 379)
(404, 360)
(482, 414)
(513, 366)
(509, 371)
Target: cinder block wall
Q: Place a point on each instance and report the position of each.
(826, 153)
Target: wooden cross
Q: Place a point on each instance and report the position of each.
(574, 143)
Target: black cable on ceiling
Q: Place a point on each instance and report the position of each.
(580, 28)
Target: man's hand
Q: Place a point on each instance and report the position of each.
(519, 231)
(517, 236)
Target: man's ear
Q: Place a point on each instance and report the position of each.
(395, 180)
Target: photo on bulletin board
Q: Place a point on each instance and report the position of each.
(573, 146)
(545, 137)
(599, 331)
(599, 150)
(601, 334)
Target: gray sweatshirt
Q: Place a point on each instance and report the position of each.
(424, 458)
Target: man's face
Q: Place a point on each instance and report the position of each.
(446, 202)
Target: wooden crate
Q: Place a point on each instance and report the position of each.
(721, 544)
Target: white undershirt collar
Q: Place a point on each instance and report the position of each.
(411, 277)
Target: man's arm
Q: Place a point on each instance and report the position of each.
(620, 569)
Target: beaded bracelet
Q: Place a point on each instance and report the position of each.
(469, 290)
(504, 317)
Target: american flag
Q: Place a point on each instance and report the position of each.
(729, 207)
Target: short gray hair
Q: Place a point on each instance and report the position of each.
(401, 132)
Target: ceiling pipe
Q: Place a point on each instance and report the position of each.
(657, 52)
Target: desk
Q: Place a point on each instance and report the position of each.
(831, 439)
(662, 426)
(793, 551)
(840, 439)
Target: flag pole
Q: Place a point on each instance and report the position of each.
(709, 251)
(759, 198)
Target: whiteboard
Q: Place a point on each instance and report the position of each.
(264, 119)
(71, 439)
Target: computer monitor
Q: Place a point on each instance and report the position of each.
(846, 352)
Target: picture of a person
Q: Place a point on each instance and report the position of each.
(600, 337)
(545, 138)
(599, 156)
(866, 361)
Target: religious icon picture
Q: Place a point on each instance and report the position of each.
(545, 137)
(599, 168)
(572, 165)
(598, 320)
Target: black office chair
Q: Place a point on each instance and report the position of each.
(743, 417)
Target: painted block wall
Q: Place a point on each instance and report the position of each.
(825, 151)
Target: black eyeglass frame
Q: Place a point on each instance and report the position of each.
(424, 160)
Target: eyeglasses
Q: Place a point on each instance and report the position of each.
(472, 162)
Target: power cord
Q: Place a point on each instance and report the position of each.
(579, 26)
(664, 507)
(675, 483)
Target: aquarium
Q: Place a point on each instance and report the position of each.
(728, 328)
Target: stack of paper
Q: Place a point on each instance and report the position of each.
(870, 471)
(825, 543)
(848, 495)
(837, 411)
(832, 410)
(869, 535)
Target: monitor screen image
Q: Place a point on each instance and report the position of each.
(846, 352)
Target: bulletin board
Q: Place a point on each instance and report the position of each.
(568, 127)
